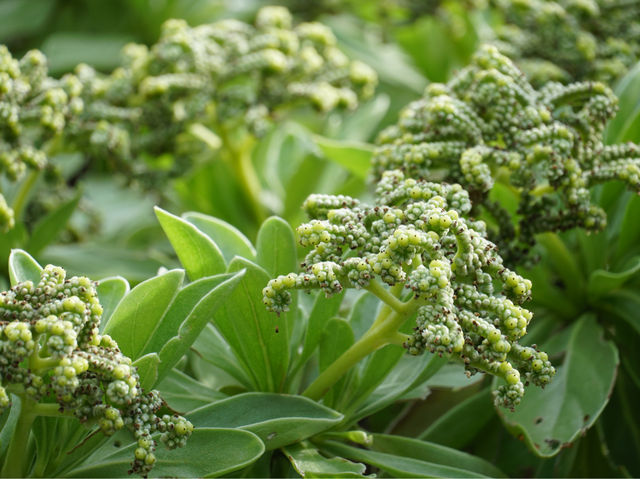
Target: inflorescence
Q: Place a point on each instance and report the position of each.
(227, 74)
(571, 40)
(488, 125)
(51, 352)
(418, 236)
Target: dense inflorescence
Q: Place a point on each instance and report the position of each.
(417, 236)
(51, 351)
(571, 40)
(488, 125)
(34, 111)
(228, 73)
(228, 79)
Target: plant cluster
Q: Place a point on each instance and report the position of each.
(54, 359)
(568, 40)
(488, 125)
(218, 84)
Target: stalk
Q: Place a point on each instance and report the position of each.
(16, 458)
(383, 331)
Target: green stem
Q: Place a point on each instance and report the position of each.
(385, 296)
(20, 201)
(542, 190)
(382, 332)
(15, 464)
(241, 163)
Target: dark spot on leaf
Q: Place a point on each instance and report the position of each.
(552, 443)
(586, 417)
(117, 444)
(538, 420)
(277, 329)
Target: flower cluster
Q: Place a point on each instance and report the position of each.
(488, 125)
(208, 81)
(51, 351)
(34, 110)
(418, 237)
(568, 40)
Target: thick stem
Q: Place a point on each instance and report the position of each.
(20, 201)
(15, 463)
(383, 331)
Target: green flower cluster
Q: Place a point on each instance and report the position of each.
(225, 74)
(34, 111)
(489, 125)
(202, 82)
(417, 237)
(571, 40)
(51, 352)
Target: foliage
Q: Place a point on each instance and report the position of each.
(498, 237)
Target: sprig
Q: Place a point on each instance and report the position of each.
(54, 359)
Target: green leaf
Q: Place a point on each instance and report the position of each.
(183, 393)
(460, 424)
(191, 324)
(397, 466)
(10, 418)
(259, 339)
(308, 462)
(139, 315)
(452, 376)
(625, 304)
(48, 228)
(226, 236)
(110, 293)
(602, 282)
(199, 255)
(147, 366)
(278, 419)
(619, 129)
(336, 338)
(352, 155)
(210, 452)
(22, 267)
(435, 453)
(276, 247)
(553, 418)
(629, 229)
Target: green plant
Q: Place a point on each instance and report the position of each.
(570, 41)
(528, 157)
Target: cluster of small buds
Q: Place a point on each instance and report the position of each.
(228, 72)
(417, 236)
(568, 40)
(489, 124)
(34, 109)
(51, 349)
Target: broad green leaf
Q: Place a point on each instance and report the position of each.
(22, 267)
(362, 124)
(619, 129)
(9, 420)
(49, 227)
(194, 321)
(602, 282)
(308, 462)
(210, 452)
(352, 155)
(336, 338)
(461, 423)
(226, 236)
(553, 418)
(409, 374)
(183, 393)
(323, 310)
(435, 453)
(258, 338)
(139, 315)
(276, 247)
(110, 293)
(397, 466)
(278, 419)
(625, 304)
(147, 367)
(19, 18)
(363, 313)
(212, 348)
(199, 255)
(452, 376)
(629, 229)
